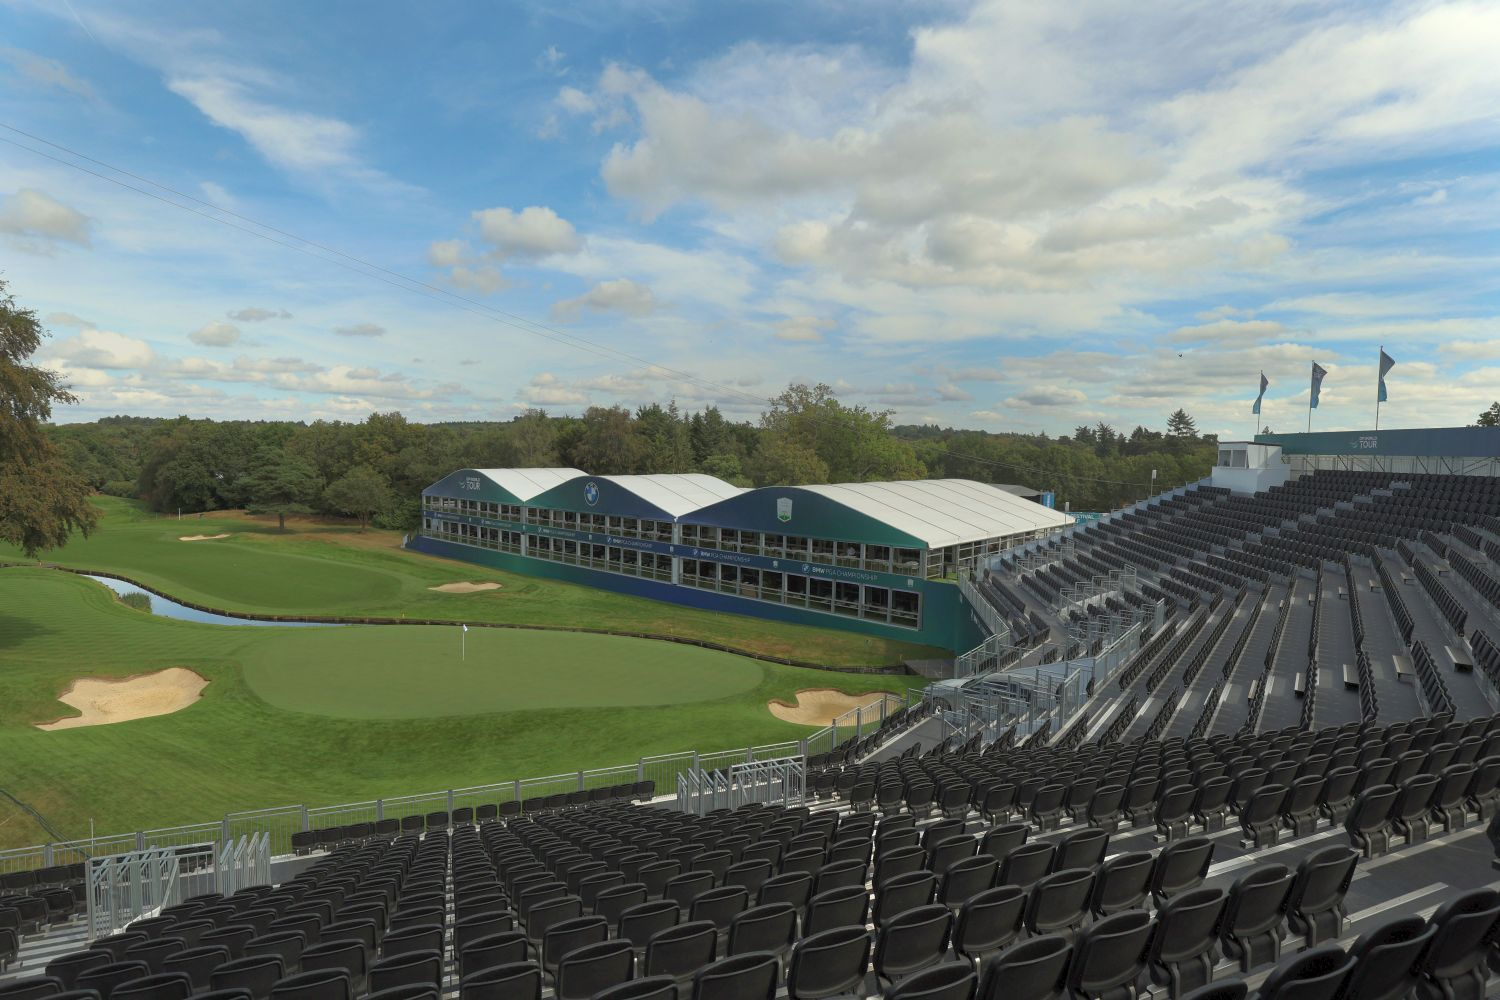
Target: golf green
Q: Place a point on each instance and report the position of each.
(405, 672)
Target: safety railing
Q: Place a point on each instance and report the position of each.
(280, 822)
(855, 723)
(120, 888)
(244, 863)
(703, 790)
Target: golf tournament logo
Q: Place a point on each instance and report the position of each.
(591, 494)
(784, 509)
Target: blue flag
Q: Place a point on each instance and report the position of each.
(1318, 371)
(1386, 364)
(1263, 384)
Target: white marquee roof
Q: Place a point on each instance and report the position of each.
(527, 483)
(676, 493)
(944, 512)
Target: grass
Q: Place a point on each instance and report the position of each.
(256, 739)
(319, 567)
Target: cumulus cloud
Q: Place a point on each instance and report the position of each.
(535, 231)
(575, 101)
(546, 389)
(360, 330)
(215, 334)
(446, 253)
(39, 216)
(618, 295)
(103, 349)
(255, 314)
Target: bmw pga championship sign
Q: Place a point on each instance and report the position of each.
(783, 509)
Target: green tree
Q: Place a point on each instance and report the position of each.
(668, 444)
(607, 443)
(533, 440)
(361, 492)
(853, 443)
(42, 500)
(780, 460)
(1180, 425)
(1490, 417)
(280, 484)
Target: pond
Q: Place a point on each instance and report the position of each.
(171, 609)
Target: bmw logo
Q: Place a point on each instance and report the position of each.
(591, 494)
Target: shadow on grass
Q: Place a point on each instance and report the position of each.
(15, 630)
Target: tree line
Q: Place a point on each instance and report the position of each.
(375, 469)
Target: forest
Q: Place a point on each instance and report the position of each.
(375, 469)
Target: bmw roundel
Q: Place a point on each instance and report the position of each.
(591, 493)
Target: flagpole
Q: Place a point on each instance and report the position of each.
(463, 645)
(1378, 377)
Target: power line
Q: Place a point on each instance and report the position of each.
(396, 279)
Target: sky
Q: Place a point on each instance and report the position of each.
(1009, 216)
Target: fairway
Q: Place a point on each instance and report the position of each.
(408, 672)
(331, 569)
(294, 715)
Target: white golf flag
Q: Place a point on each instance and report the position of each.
(466, 628)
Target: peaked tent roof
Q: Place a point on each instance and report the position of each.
(944, 511)
(527, 483)
(677, 493)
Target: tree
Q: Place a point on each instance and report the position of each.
(280, 484)
(362, 492)
(1491, 417)
(1180, 425)
(534, 440)
(42, 500)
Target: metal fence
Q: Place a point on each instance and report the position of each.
(123, 887)
(855, 723)
(703, 790)
(277, 824)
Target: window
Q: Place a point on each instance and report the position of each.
(822, 550)
(877, 604)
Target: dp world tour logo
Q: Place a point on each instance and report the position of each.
(784, 509)
(591, 494)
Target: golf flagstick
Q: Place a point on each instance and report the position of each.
(463, 645)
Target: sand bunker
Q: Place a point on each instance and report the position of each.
(105, 700)
(464, 588)
(820, 706)
(202, 538)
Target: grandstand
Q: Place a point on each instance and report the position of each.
(1242, 738)
(876, 558)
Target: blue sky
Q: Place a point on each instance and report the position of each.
(1008, 216)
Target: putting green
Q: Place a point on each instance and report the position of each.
(406, 672)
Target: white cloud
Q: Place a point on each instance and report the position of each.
(575, 101)
(103, 349)
(67, 319)
(447, 253)
(216, 194)
(360, 330)
(535, 231)
(803, 329)
(1228, 332)
(546, 389)
(292, 140)
(215, 334)
(36, 214)
(1046, 396)
(255, 314)
(618, 295)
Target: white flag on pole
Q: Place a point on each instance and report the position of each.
(466, 628)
